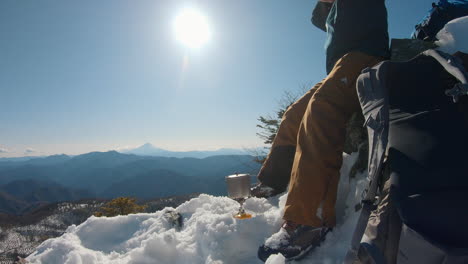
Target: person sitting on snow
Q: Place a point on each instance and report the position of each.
(307, 150)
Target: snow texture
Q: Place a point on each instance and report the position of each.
(277, 239)
(23, 239)
(276, 259)
(454, 36)
(210, 234)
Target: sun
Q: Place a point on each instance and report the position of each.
(191, 28)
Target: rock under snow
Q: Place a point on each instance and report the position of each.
(209, 234)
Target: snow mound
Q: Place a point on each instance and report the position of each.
(209, 235)
(454, 36)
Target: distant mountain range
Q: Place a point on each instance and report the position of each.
(27, 183)
(144, 150)
(150, 150)
(22, 196)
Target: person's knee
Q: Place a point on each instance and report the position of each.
(289, 113)
(323, 103)
(334, 98)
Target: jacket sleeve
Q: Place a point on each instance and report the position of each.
(320, 14)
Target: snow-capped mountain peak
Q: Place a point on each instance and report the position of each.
(149, 149)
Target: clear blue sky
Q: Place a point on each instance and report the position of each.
(80, 76)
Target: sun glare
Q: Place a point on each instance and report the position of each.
(192, 29)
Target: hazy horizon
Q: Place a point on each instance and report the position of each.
(83, 76)
(127, 149)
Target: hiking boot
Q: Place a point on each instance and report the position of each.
(293, 241)
(262, 191)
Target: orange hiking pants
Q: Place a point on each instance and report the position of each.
(316, 125)
(276, 170)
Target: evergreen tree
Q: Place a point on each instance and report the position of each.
(269, 124)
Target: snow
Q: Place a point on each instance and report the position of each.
(277, 239)
(209, 234)
(454, 36)
(276, 259)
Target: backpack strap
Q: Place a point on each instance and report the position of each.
(453, 66)
(373, 98)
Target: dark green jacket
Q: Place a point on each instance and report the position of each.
(353, 25)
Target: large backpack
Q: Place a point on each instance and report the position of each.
(439, 15)
(416, 117)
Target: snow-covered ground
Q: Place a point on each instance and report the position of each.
(209, 235)
(22, 239)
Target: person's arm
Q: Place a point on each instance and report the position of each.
(320, 13)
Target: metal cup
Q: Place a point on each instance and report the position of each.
(238, 186)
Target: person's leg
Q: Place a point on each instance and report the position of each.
(276, 169)
(318, 158)
(317, 161)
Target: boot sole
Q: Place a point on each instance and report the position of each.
(306, 251)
